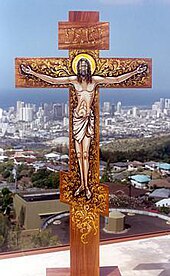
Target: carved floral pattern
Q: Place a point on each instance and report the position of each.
(84, 213)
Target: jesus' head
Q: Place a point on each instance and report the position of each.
(84, 71)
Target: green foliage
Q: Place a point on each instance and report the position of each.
(6, 170)
(6, 174)
(4, 232)
(5, 191)
(121, 200)
(23, 170)
(14, 238)
(1, 241)
(44, 239)
(22, 216)
(45, 179)
(6, 199)
(107, 174)
(40, 174)
(22, 167)
(6, 166)
(165, 210)
(141, 149)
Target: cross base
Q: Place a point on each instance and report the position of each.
(104, 271)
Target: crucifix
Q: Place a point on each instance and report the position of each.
(84, 72)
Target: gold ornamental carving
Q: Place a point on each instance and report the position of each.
(80, 186)
(89, 35)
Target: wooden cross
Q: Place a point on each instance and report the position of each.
(83, 73)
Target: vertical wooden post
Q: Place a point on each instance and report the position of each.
(83, 35)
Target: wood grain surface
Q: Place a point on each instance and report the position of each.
(81, 16)
(83, 33)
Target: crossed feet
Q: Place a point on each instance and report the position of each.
(81, 189)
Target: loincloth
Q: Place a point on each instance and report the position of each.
(83, 126)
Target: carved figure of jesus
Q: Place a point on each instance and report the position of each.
(84, 83)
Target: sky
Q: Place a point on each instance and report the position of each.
(138, 28)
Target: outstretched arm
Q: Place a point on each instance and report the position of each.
(140, 69)
(46, 78)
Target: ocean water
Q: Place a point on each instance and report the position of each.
(128, 97)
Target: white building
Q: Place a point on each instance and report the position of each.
(19, 114)
(162, 103)
(66, 109)
(106, 107)
(167, 103)
(65, 122)
(135, 112)
(1, 151)
(1, 112)
(140, 181)
(27, 113)
(163, 203)
(109, 121)
(53, 156)
(119, 107)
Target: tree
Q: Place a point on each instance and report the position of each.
(6, 173)
(15, 238)
(4, 232)
(44, 239)
(165, 210)
(107, 174)
(7, 200)
(6, 169)
(22, 216)
(45, 179)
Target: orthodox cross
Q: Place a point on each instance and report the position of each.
(83, 73)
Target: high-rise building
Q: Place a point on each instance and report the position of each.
(27, 113)
(65, 121)
(66, 109)
(162, 104)
(112, 110)
(167, 103)
(58, 111)
(119, 107)
(19, 112)
(156, 106)
(47, 110)
(106, 107)
(24, 112)
(40, 113)
(1, 112)
(135, 111)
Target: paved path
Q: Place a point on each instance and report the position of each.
(146, 257)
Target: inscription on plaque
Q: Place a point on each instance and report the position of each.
(87, 35)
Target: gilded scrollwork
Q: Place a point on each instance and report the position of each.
(52, 67)
(80, 186)
(85, 213)
(109, 67)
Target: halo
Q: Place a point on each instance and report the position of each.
(85, 56)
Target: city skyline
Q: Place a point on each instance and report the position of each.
(64, 100)
(137, 29)
(49, 121)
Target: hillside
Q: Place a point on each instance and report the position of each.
(142, 149)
